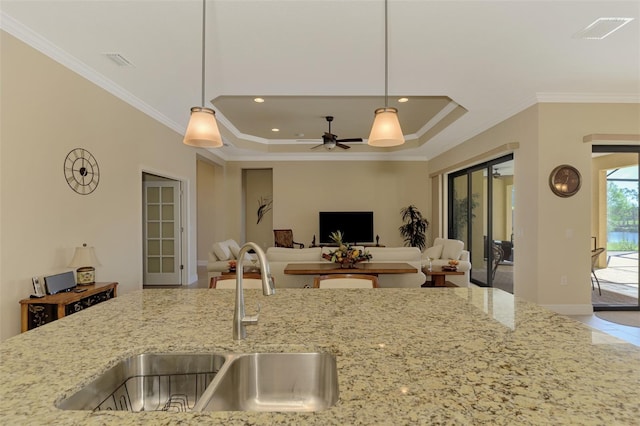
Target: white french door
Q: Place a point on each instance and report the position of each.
(161, 233)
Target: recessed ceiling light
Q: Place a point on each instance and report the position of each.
(258, 100)
(601, 28)
(402, 100)
(275, 130)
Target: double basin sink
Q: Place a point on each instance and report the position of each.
(179, 382)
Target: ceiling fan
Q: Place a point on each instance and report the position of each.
(330, 141)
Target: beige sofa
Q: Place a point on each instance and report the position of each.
(220, 255)
(442, 251)
(279, 258)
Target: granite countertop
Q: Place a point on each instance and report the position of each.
(404, 356)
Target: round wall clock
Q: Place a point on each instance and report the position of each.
(565, 180)
(81, 171)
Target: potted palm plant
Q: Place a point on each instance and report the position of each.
(415, 227)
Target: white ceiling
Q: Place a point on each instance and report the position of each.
(308, 59)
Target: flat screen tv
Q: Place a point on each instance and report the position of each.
(357, 227)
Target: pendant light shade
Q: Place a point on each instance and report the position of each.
(202, 130)
(386, 130)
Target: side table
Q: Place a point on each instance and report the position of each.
(438, 277)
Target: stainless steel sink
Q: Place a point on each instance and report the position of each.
(149, 382)
(213, 382)
(274, 382)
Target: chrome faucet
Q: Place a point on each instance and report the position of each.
(240, 321)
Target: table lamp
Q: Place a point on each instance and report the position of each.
(84, 259)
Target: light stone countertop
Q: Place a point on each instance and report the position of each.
(405, 356)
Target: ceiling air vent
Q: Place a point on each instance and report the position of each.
(601, 28)
(119, 60)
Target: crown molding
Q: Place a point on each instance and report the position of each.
(36, 41)
(594, 98)
(328, 156)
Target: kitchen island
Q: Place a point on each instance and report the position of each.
(404, 356)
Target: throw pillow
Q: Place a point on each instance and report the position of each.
(452, 249)
(433, 252)
(235, 251)
(234, 247)
(222, 251)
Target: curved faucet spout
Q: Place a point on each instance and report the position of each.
(240, 320)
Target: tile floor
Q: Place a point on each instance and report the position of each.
(622, 332)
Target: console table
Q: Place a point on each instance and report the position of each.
(40, 311)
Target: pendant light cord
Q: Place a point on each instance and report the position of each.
(386, 57)
(204, 18)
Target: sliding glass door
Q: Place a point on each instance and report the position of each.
(615, 273)
(480, 211)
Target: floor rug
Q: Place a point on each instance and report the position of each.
(631, 319)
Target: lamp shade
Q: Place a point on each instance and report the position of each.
(202, 130)
(84, 256)
(386, 129)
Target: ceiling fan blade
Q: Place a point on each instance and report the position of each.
(343, 146)
(317, 146)
(349, 140)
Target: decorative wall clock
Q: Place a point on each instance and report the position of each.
(81, 171)
(565, 180)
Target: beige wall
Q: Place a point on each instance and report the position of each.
(552, 234)
(46, 111)
(210, 199)
(258, 184)
(302, 189)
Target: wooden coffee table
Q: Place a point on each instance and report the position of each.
(438, 277)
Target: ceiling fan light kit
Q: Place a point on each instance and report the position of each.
(330, 141)
(202, 130)
(386, 130)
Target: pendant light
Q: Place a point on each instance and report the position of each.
(386, 129)
(202, 130)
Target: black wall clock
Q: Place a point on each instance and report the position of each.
(81, 171)
(565, 180)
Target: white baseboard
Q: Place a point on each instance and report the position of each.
(202, 263)
(570, 309)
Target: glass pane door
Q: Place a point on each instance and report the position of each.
(481, 205)
(480, 235)
(162, 233)
(459, 210)
(615, 273)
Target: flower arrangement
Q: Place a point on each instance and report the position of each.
(345, 254)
